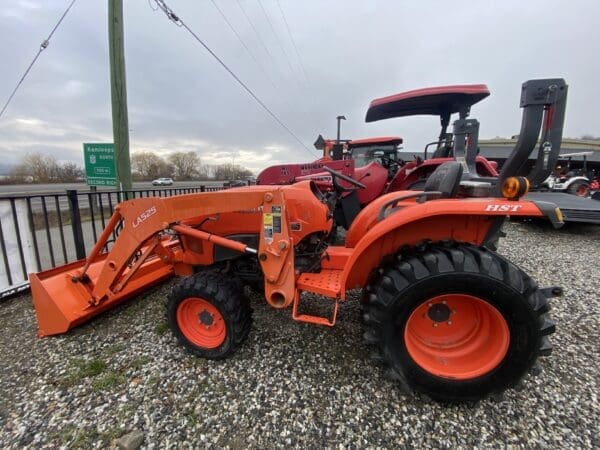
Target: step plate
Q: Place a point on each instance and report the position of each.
(327, 282)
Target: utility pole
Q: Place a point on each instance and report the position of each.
(118, 91)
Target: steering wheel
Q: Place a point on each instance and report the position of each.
(335, 174)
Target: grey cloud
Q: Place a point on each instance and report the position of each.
(353, 51)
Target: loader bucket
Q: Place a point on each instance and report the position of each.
(61, 303)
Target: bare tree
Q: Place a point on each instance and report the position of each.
(224, 171)
(149, 165)
(185, 164)
(229, 171)
(41, 168)
(204, 172)
(70, 172)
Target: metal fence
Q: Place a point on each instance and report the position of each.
(42, 231)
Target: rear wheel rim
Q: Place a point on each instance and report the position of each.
(201, 323)
(457, 336)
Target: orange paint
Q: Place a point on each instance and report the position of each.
(201, 323)
(470, 342)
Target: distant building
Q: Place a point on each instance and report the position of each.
(498, 149)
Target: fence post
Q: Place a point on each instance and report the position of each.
(76, 223)
(94, 197)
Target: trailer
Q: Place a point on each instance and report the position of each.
(574, 208)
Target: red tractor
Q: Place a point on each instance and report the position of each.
(446, 315)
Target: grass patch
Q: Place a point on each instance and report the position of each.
(116, 348)
(108, 381)
(111, 434)
(74, 437)
(90, 368)
(153, 380)
(83, 369)
(139, 362)
(192, 418)
(161, 328)
(84, 439)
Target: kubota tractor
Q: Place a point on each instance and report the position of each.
(447, 316)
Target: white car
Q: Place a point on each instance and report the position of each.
(162, 182)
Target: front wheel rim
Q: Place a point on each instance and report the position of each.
(201, 323)
(457, 336)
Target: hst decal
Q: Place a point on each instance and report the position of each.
(503, 208)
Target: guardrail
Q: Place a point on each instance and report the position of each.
(42, 231)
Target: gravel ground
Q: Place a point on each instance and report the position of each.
(294, 384)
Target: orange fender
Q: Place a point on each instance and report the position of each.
(461, 220)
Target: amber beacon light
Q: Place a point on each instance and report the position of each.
(515, 187)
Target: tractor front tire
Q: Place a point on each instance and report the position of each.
(456, 323)
(209, 315)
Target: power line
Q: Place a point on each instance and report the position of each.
(254, 29)
(180, 23)
(297, 79)
(43, 47)
(232, 28)
(276, 36)
(287, 26)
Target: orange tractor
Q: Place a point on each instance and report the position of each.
(446, 315)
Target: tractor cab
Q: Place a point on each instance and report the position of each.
(383, 150)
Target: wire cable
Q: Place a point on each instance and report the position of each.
(287, 58)
(254, 29)
(180, 23)
(297, 78)
(287, 26)
(232, 28)
(43, 47)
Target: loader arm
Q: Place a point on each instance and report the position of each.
(144, 253)
(145, 218)
(159, 237)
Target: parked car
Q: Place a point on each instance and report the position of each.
(235, 183)
(162, 182)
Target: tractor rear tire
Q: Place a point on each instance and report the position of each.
(579, 188)
(209, 315)
(456, 323)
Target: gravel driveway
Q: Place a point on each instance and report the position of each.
(294, 384)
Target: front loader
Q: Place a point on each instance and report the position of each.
(447, 316)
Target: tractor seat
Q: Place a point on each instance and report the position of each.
(445, 179)
(444, 182)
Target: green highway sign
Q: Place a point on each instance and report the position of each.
(100, 164)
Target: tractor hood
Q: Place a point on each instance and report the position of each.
(436, 101)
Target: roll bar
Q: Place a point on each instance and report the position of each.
(544, 103)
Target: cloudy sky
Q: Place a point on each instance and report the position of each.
(350, 52)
